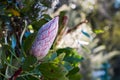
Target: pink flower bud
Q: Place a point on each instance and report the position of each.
(45, 38)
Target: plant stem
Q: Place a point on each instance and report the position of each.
(2, 75)
(22, 37)
(28, 73)
(11, 66)
(14, 55)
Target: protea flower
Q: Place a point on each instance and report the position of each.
(45, 38)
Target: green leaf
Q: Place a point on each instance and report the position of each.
(71, 55)
(50, 57)
(3, 50)
(28, 42)
(67, 65)
(53, 71)
(73, 59)
(64, 50)
(98, 31)
(37, 24)
(74, 74)
(4, 18)
(47, 17)
(73, 71)
(28, 5)
(46, 3)
(29, 62)
(59, 58)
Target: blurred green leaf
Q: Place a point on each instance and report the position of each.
(28, 42)
(51, 56)
(71, 55)
(46, 3)
(67, 65)
(4, 50)
(98, 31)
(53, 71)
(47, 17)
(28, 5)
(74, 74)
(4, 18)
(60, 57)
(29, 62)
(30, 27)
(37, 24)
(73, 71)
(73, 60)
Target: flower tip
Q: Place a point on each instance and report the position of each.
(57, 17)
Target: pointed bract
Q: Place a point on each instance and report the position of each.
(45, 38)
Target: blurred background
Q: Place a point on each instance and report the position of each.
(92, 27)
(96, 37)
